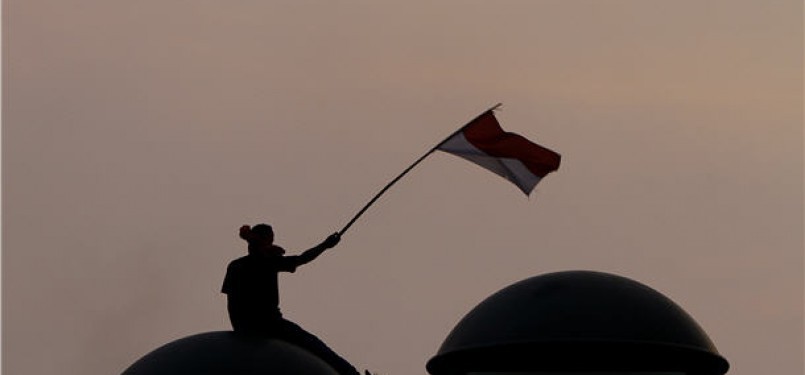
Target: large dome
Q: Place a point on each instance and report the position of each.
(225, 353)
(577, 321)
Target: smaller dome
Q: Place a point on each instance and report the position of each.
(225, 353)
(577, 321)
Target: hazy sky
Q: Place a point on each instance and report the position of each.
(139, 135)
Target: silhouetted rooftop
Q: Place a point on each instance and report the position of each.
(226, 353)
(581, 321)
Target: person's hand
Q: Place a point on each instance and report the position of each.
(332, 240)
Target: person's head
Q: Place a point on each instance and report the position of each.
(260, 238)
(263, 232)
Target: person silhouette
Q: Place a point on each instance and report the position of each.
(252, 293)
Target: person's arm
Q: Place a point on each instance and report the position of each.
(313, 253)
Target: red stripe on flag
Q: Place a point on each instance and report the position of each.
(486, 134)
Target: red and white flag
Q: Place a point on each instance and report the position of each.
(509, 155)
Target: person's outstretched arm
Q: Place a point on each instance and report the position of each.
(314, 252)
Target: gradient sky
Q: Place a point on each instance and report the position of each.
(139, 135)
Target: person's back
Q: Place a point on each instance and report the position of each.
(252, 293)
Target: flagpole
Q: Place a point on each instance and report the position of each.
(394, 181)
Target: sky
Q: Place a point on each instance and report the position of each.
(138, 136)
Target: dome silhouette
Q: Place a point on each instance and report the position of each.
(225, 353)
(577, 321)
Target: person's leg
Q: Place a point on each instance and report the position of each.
(294, 334)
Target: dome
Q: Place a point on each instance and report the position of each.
(226, 353)
(577, 321)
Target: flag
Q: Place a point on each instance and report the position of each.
(509, 155)
(483, 142)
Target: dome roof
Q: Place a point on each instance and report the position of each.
(580, 321)
(225, 353)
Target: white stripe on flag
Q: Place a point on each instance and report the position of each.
(511, 169)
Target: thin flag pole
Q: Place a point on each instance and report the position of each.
(394, 181)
